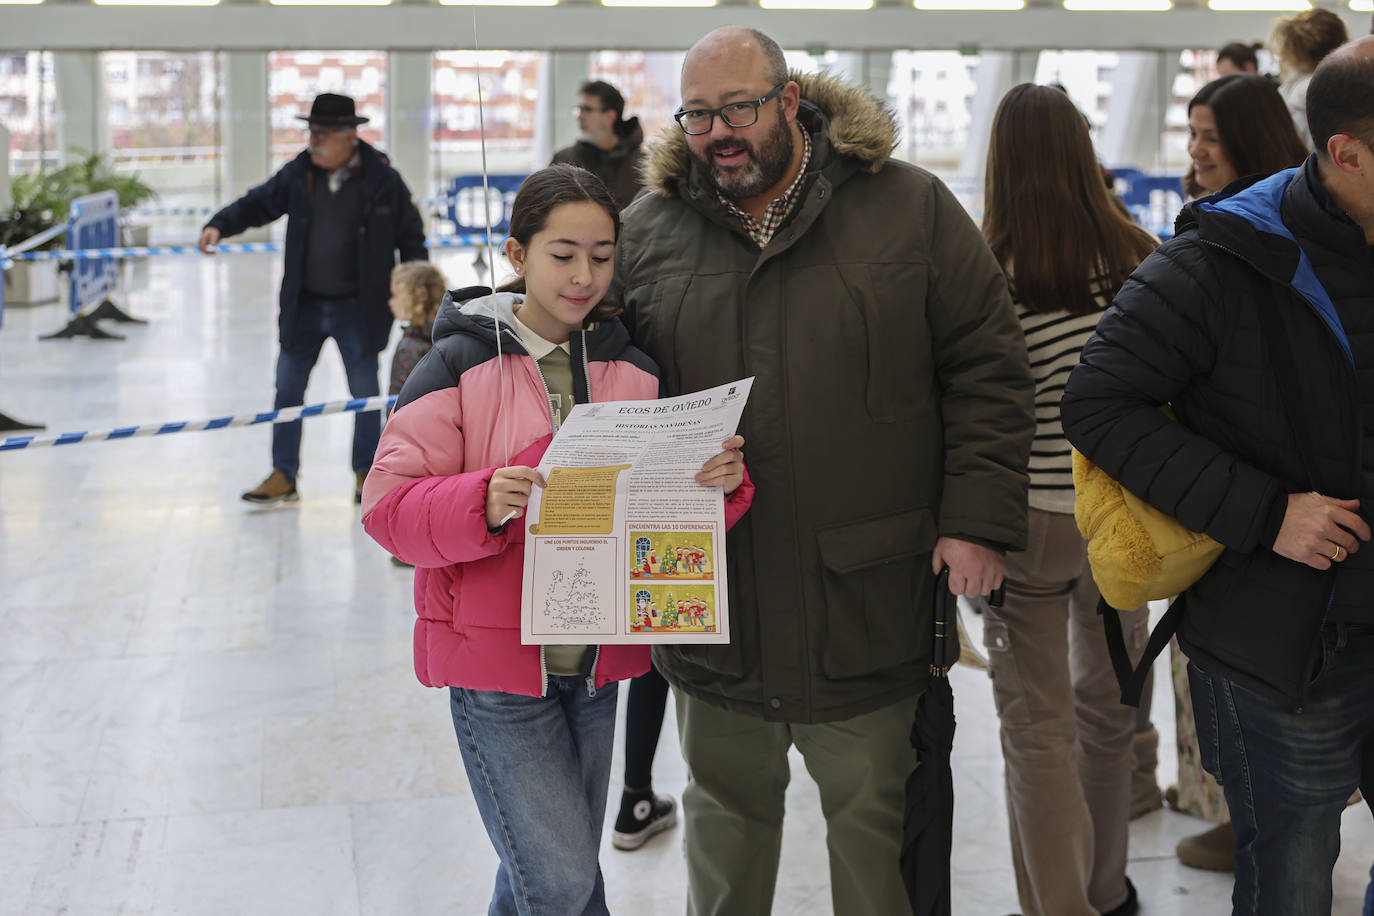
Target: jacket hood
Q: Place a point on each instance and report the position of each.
(855, 124)
(470, 311)
(1261, 206)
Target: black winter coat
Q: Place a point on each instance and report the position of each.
(390, 223)
(1185, 330)
(618, 168)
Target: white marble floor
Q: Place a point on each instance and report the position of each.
(207, 709)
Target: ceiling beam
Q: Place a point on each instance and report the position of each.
(410, 26)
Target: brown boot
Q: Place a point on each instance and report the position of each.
(358, 478)
(1214, 850)
(1145, 794)
(275, 488)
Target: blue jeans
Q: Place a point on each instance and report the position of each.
(1288, 774)
(539, 770)
(320, 319)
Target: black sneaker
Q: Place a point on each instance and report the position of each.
(642, 814)
(1130, 906)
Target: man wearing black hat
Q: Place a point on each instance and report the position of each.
(348, 214)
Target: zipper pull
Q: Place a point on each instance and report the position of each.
(591, 686)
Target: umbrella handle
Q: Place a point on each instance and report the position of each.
(939, 656)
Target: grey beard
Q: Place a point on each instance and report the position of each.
(768, 164)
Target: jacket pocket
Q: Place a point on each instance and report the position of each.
(481, 595)
(1206, 717)
(877, 583)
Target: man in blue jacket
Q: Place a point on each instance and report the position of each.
(1256, 324)
(348, 215)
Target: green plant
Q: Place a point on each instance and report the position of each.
(43, 199)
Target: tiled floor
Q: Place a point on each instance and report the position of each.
(207, 709)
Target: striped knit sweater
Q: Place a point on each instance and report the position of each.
(1053, 341)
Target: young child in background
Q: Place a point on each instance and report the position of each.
(417, 291)
(456, 463)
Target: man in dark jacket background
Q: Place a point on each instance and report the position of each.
(1256, 323)
(348, 216)
(610, 145)
(888, 432)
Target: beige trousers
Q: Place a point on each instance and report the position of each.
(733, 806)
(1066, 738)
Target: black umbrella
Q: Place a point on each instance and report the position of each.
(928, 820)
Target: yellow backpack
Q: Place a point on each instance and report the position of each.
(1137, 553)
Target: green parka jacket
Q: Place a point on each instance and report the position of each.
(892, 404)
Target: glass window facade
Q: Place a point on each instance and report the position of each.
(163, 116)
(932, 93)
(650, 82)
(294, 78)
(510, 83)
(28, 109)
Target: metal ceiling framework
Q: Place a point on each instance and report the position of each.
(582, 25)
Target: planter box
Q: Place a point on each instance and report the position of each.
(32, 283)
(134, 235)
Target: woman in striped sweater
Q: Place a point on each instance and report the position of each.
(1066, 247)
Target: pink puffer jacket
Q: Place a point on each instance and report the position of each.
(425, 498)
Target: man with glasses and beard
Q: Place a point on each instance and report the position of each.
(611, 144)
(348, 216)
(888, 434)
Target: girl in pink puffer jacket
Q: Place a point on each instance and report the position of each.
(533, 723)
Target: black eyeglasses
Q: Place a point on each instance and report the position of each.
(736, 114)
(319, 133)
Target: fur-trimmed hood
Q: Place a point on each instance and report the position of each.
(855, 124)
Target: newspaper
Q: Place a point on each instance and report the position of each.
(623, 545)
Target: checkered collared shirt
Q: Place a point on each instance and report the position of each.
(777, 211)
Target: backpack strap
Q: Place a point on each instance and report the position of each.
(1131, 678)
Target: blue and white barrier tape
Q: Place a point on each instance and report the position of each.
(171, 211)
(284, 415)
(209, 211)
(32, 242)
(463, 240)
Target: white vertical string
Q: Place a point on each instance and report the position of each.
(491, 258)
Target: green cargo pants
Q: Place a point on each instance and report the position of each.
(734, 803)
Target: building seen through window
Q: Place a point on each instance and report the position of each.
(294, 78)
(28, 109)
